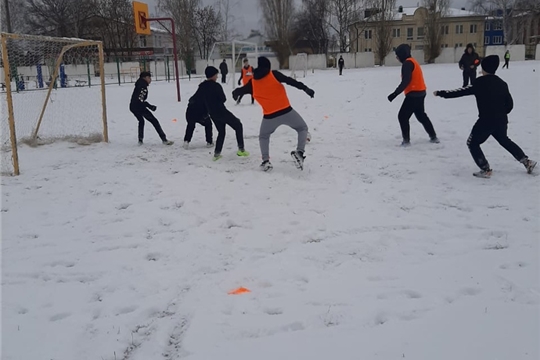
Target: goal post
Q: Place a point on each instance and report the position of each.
(54, 90)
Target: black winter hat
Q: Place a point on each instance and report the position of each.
(403, 52)
(263, 62)
(210, 71)
(145, 74)
(490, 64)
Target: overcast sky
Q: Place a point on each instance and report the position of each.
(247, 13)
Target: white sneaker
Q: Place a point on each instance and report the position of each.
(186, 145)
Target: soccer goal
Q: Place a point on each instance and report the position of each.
(52, 89)
(233, 51)
(299, 66)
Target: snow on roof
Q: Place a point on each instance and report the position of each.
(451, 12)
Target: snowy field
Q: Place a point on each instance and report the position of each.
(114, 251)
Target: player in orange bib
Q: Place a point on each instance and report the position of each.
(245, 76)
(267, 88)
(414, 87)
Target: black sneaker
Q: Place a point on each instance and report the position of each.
(434, 140)
(298, 157)
(406, 143)
(140, 142)
(266, 165)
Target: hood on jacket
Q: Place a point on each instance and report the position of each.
(403, 52)
(263, 68)
(469, 46)
(141, 83)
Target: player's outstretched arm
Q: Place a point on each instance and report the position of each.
(452, 94)
(244, 90)
(292, 82)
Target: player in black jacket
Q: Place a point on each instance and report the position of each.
(341, 64)
(197, 113)
(211, 94)
(139, 107)
(468, 64)
(494, 104)
(224, 71)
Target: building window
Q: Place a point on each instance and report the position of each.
(458, 45)
(488, 26)
(497, 40)
(473, 28)
(486, 40)
(367, 50)
(396, 32)
(459, 29)
(368, 34)
(410, 32)
(142, 41)
(498, 25)
(420, 34)
(444, 30)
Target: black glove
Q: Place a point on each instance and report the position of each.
(310, 92)
(239, 81)
(391, 97)
(152, 107)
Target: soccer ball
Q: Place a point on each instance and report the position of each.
(308, 139)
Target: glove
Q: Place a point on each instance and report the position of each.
(391, 97)
(239, 82)
(152, 107)
(310, 92)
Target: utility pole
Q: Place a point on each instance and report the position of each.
(8, 17)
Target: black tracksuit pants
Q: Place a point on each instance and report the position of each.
(190, 128)
(468, 75)
(146, 114)
(223, 78)
(506, 61)
(481, 131)
(228, 119)
(414, 105)
(340, 70)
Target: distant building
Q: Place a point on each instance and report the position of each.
(493, 31)
(459, 28)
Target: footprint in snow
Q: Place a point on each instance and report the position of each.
(59, 316)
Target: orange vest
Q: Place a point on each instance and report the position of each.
(247, 74)
(417, 80)
(270, 93)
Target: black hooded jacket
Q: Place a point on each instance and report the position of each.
(492, 98)
(211, 94)
(403, 52)
(138, 103)
(260, 73)
(468, 60)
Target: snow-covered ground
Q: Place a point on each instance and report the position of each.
(114, 251)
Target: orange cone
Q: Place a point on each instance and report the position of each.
(239, 291)
(174, 120)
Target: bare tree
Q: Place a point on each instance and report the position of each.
(69, 18)
(206, 29)
(278, 23)
(436, 10)
(226, 8)
(17, 11)
(506, 10)
(382, 18)
(343, 13)
(311, 24)
(114, 25)
(183, 13)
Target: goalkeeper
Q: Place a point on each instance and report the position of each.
(140, 108)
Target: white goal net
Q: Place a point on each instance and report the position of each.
(51, 89)
(299, 66)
